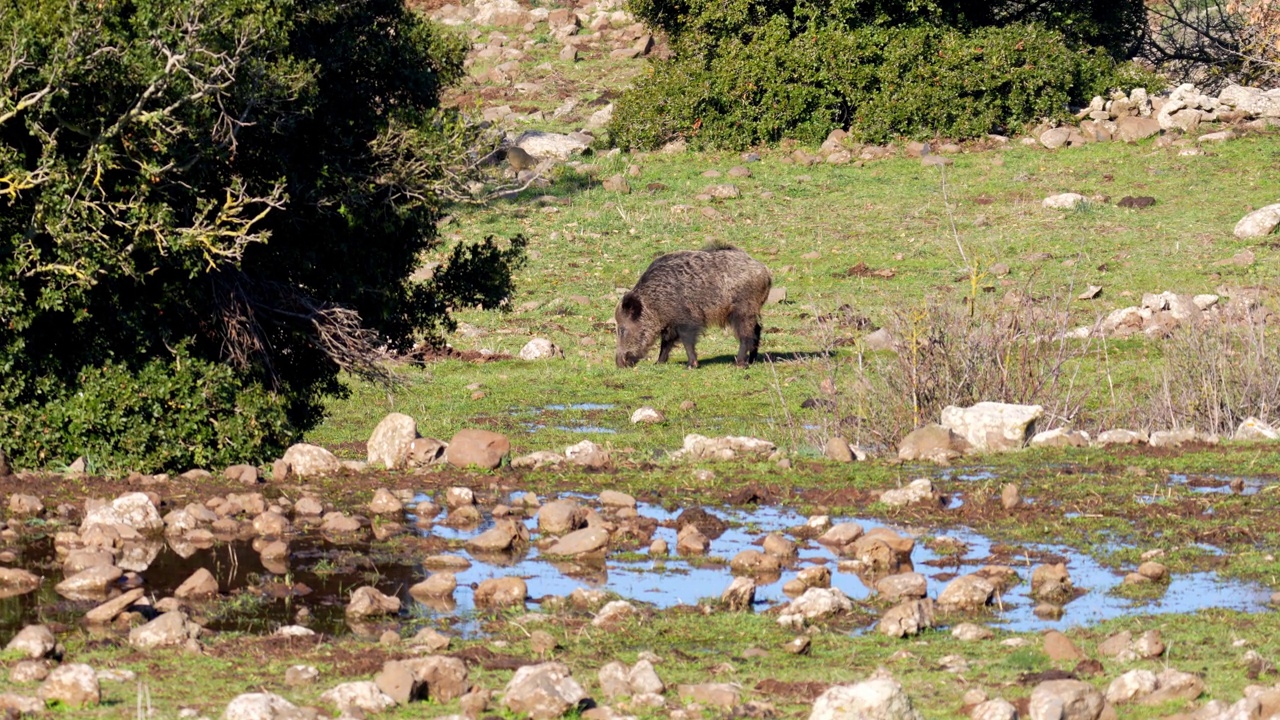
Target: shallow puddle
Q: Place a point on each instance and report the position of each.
(1221, 484)
(320, 576)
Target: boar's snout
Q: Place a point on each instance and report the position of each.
(625, 360)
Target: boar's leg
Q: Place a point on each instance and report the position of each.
(689, 336)
(669, 338)
(747, 330)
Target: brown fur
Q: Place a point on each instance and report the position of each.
(684, 292)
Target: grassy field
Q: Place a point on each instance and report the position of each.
(811, 225)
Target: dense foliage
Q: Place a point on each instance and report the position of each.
(209, 208)
(755, 71)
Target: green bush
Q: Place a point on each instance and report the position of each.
(252, 180)
(749, 72)
(178, 412)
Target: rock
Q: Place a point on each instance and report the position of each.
(270, 525)
(613, 613)
(424, 452)
(132, 510)
(481, 448)
(1122, 437)
(29, 671)
(615, 499)
(336, 522)
(261, 706)
(1174, 685)
(90, 583)
(107, 611)
(1255, 429)
(617, 184)
(540, 349)
(1059, 647)
(1172, 438)
(437, 585)
(167, 630)
(776, 296)
(538, 459)
(740, 595)
(698, 447)
(33, 641)
(505, 534)
(720, 695)
(838, 449)
(1131, 129)
(754, 562)
(561, 516)
(965, 593)
(877, 699)
(397, 681)
(613, 680)
(643, 679)
(1063, 201)
(390, 441)
(368, 601)
(1051, 582)
(997, 709)
(1133, 685)
(993, 427)
(647, 415)
(1055, 138)
(916, 492)
(543, 692)
(1259, 223)
(363, 695)
(593, 539)
(1060, 438)
(298, 675)
(444, 678)
(934, 443)
(587, 454)
(501, 592)
(815, 603)
(908, 618)
(902, 586)
(1251, 101)
(306, 460)
(20, 503)
(969, 632)
(201, 584)
(880, 340)
(384, 503)
(1065, 700)
(548, 145)
(73, 684)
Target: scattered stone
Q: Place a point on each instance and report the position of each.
(1122, 437)
(1259, 223)
(1133, 685)
(201, 584)
(540, 349)
(131, 510)
(698, 447)
(916, 492)
(838, 449)
(876, 699)
(647, 415)
(501, 592)
(304, 460)
(543, 692)
(390, 441)
(969, 632)
(1174, 685)
(1059, 647)
(300, 675)
(814, 604)
(1061, 438)
(721, 695)
(363, 696)
(587, 454)
(73, 684)
(260, 706)
(167, 630)
(368, 601)
(1051, 582)
(107, 611)
(33, 641)
(1255, 429)
(1063, 201)
(1066, 700)
(902, 586)
(740, 595)
(481, 448)
(993, 427)
(997, 709)
(588, 540)
(966, 593)
(384, 503)
(934, 443)
(908, 618)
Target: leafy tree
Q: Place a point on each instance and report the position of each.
(234, 190)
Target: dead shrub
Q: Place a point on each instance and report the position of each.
(1215, 375)
(952, 354)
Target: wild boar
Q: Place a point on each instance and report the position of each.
(686, 291)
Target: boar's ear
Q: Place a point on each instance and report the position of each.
(631, 306)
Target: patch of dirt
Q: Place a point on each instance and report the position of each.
(803, 692)
(490, 660)
(427, 354)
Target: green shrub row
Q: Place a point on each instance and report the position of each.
(877, 82)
